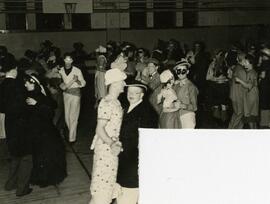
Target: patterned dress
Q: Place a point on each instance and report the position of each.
(105, 164)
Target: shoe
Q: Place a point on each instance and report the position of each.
(72, 143)
(28, 191)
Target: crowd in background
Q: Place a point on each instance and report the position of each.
(213, 74)
(178, 82)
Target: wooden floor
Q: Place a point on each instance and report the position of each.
(74, 189)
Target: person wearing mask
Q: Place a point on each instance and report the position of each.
(18, 141)
(187, 94)
(141, 64)
(138, 114)
(73, 81)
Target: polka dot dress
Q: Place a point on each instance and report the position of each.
(104, 163)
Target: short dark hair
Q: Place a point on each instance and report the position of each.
(250, 59)
(9, 63)
(68, 54)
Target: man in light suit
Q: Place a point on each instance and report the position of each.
(73, 81)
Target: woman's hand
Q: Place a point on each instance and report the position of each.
(76, 79)
(183, 106)
(31, 101)
(263, 74)
(116, 148)
(237, 80)
(177, 104)
(159, 98)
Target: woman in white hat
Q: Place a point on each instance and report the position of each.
(106, 143)
(169, 115)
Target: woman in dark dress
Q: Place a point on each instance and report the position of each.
(49, 162)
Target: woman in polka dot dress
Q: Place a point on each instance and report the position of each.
(106, 143)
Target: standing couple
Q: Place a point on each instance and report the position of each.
(37, 152)
(115, 162)
(178, 98)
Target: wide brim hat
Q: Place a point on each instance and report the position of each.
(181, 63)
(33, 78)
(135, 83)
(114, 75)
(119, 63)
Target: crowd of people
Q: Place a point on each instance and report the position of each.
(134, 88)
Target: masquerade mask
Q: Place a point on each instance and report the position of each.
(30, 80)
(181, 71)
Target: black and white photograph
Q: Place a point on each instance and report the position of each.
(84, 82)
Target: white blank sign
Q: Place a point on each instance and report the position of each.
(204, 166)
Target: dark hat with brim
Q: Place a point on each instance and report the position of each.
(136, 83)
(153, 60)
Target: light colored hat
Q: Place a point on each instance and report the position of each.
(181, 63)
(265, 51)
(101, 49)
(119, 63)
(114, 75)
(165, 76)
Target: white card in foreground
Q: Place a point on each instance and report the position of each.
(204, 166)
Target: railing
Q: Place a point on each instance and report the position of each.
(35, 6)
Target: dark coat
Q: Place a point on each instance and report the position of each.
(49, 162)
(264, 87)
(142, 116)
(13, 104)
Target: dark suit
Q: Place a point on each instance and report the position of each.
(142, 116)
(18, 141)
